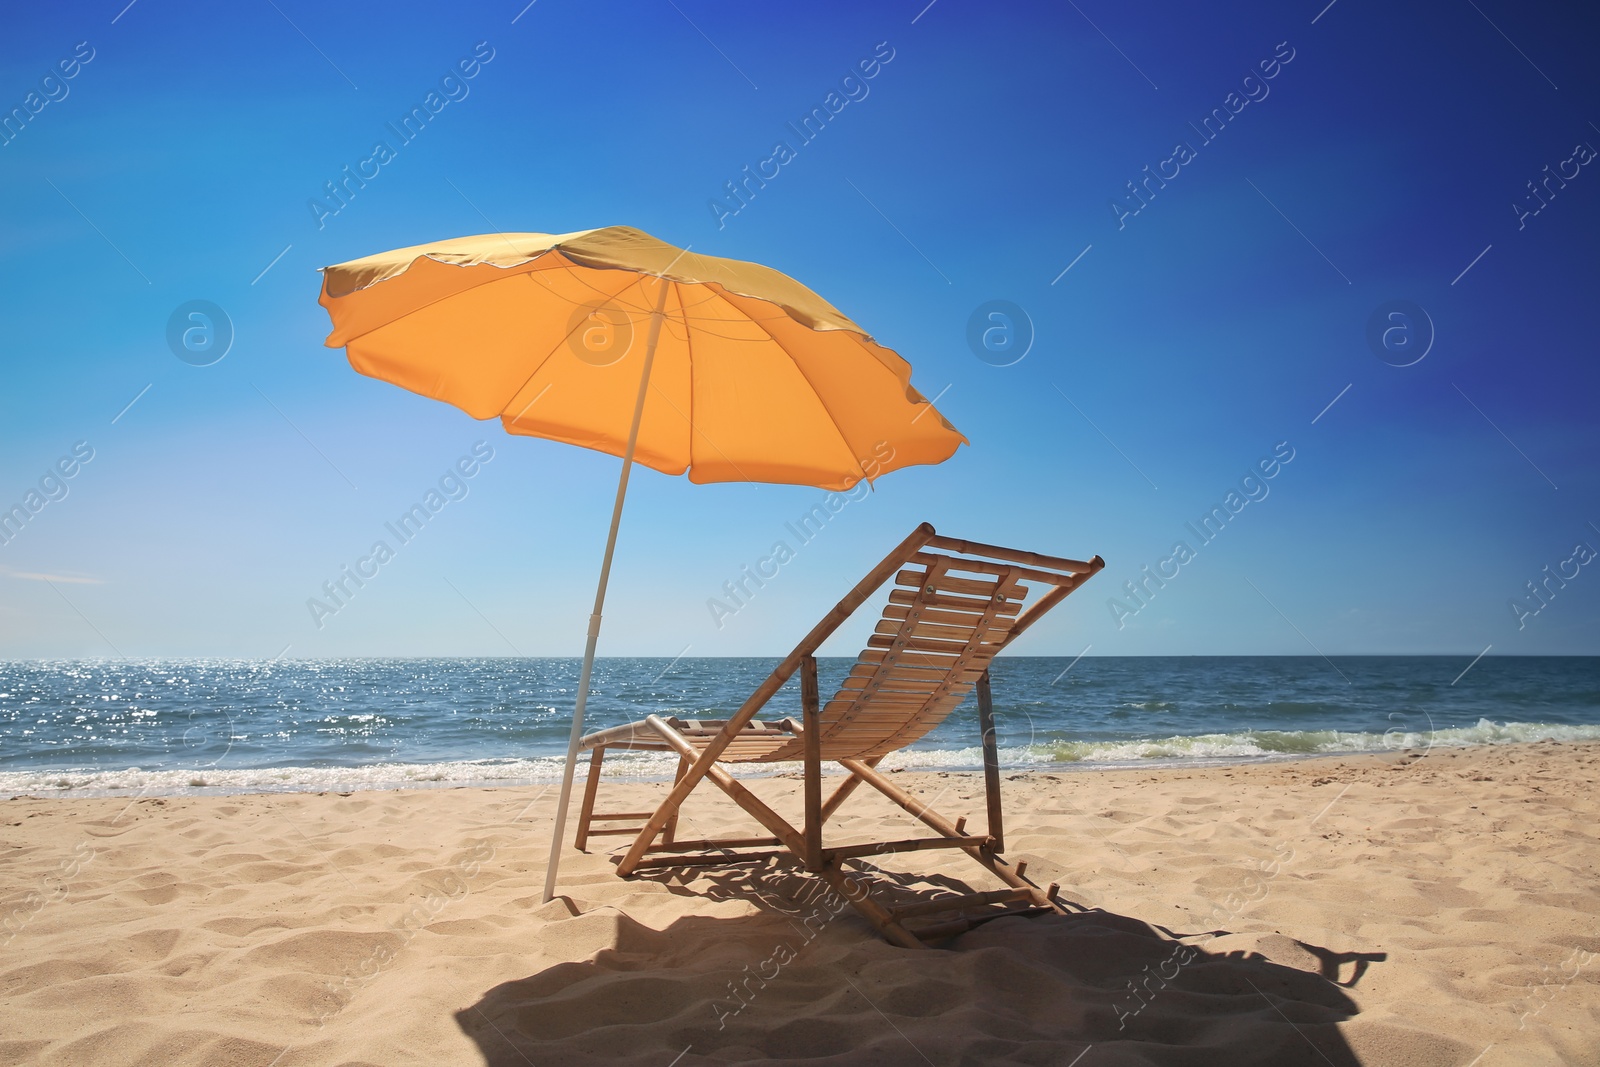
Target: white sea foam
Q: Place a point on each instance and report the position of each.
(167, 782)
(653, 766)
(1266, 743)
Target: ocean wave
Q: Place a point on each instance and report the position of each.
(539, 770)
(1248, 744)
(1241, 746)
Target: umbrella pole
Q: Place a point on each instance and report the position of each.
(554, 865)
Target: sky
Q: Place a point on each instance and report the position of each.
(1372, 273)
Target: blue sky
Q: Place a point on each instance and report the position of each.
(1380, 163)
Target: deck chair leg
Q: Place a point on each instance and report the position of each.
(780, 828)
(841, 794)
(811, 714)
(991, 763)
(910, 803)
(856, 893)
(668, 809)
(703, 763)
(670, 831)
(985, 856)
(591, 787)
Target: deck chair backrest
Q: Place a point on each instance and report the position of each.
(953, 606)
(952, 610)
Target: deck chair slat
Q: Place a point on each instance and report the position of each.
(882, 714)
(947, 616)
(924, 688)
(962, 586)
(959, 633)
(916, 645)
(916, 702)
(966, 606)
(905, 705)
(886, 690)
(921, 644)
(891, 700)
(910, 685)
(900, 676)
(883, 722)
(905, 711)
(905, 667)
(900, 597)
(908, 667)
(924, 659)
(935, 706)
(894, 626)
(850, 720)
(1011, 590)
(922, 628)
(862, 669)
(912, 666)
(890, 695)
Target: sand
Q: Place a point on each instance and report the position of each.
(1406, 910)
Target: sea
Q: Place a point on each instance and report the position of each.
(176, 727)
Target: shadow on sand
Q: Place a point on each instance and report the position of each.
(804, 980)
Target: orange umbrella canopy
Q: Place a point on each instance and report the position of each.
(755, 377)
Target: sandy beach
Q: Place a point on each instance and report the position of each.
(1419, 909)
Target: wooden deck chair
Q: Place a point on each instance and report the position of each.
(955, 605)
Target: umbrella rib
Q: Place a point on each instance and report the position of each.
(712, 293)
(567, 337)
(744, 316)
(688, 348)
(782, 311)
(848, 447)
(689, 418)
(657, 390)
(626, 270)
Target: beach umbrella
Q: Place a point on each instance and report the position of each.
(616, 341)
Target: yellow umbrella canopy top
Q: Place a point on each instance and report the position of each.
(755, 377)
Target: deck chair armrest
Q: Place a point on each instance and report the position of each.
(618, 736)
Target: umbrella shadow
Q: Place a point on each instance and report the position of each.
(800, 978)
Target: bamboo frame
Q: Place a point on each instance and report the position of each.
(711, 843)
(711, 859)
(940, 633)
(914, 844)
(842, 794)
(811, 711)
(591, 787)
(670, 831)
(991, 764)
